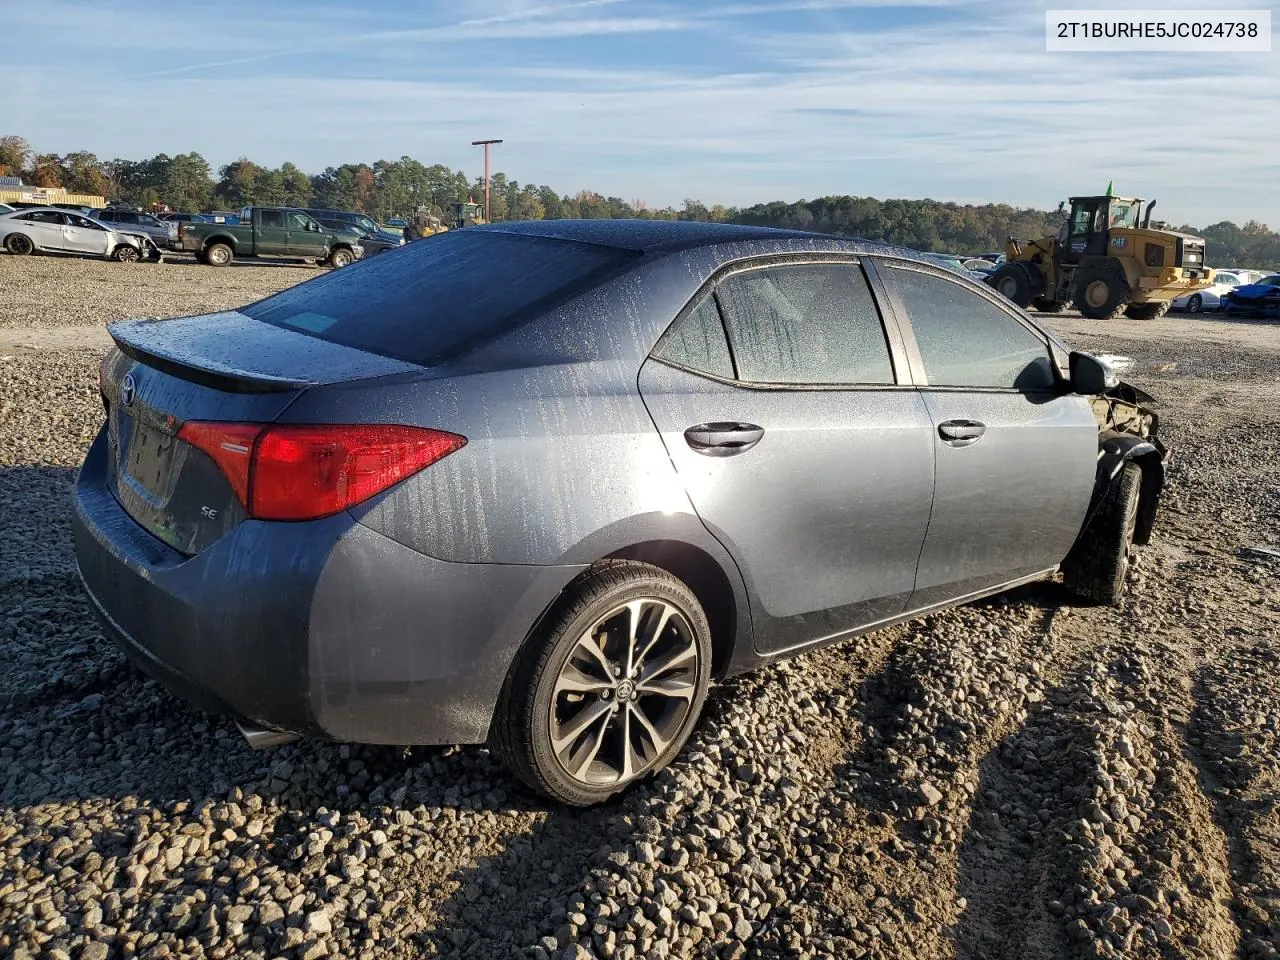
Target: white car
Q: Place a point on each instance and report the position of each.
(1211, 297)
(46, 229)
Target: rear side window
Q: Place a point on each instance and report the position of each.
(270, 218)
(437, 299)
(699, 342)
(813, 323)
(966, 340)
(44, 216)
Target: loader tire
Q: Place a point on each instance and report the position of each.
(1045, 305)
(1102, 293)
(1014, 281)
(1147, 311)
(1095, 568)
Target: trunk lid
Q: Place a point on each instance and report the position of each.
(223, 367)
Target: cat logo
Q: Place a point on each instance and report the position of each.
(1119, 242)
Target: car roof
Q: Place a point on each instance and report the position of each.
(644, 236)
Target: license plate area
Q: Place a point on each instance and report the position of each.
(147, 458)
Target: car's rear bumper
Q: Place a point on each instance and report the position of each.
(324, 628)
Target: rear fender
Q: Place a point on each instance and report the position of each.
(1115, 449)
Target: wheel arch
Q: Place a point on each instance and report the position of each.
(1115, 449)
(225, 238)
(709, 583)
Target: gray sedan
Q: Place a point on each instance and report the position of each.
(163, 233)
(538, 484)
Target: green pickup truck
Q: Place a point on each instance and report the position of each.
(275, 232)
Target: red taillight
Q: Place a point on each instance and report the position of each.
(181, 229)
(303, 472)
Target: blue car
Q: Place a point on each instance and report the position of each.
(1261, 299)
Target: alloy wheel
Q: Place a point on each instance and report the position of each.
(624, 693)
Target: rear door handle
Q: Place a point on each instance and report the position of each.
(961, 433)
(723, 439)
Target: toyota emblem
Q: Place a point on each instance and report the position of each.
(127, 389)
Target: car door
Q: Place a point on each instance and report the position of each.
(306, 239)
(85, 236)
(272, 232)
(777, 395)
(1015, 450)
(45, 229)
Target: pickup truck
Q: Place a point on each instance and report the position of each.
(283, 232)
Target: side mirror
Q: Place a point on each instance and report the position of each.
(1091, 376)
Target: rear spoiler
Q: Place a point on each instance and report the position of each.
(227, 380)
(235, 353)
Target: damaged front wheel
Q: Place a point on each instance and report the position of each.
(1096, 567)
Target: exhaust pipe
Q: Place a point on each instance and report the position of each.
(260, 739)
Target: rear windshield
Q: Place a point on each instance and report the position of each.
(437, 298)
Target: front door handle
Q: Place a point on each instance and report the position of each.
(961, 433)
(723, 439)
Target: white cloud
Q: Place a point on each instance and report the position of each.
(966, 107)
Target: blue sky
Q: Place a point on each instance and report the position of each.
(729, 101)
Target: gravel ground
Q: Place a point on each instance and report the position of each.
(1020, 778)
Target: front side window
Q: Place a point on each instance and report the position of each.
(1124, 214)
(699, 342)
(83, 222)
(813, 323)
(298, 221)
(967, 340)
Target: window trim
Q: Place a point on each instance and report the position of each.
(899, 362)
(919, 377)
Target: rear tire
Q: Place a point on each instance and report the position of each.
(1014, 281)
(1095, 568)
(19, 244)
(574, 668)
(1147, 311)
(1195, 304)
(218, 255)
(1102, 293)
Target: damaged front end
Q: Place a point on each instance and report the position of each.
(1128, 431)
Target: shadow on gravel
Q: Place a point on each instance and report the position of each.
(533, 883)
(1244, 810)
(1017, 818)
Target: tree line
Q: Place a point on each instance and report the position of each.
(186, 182)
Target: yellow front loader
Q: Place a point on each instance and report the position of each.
(1106, 260)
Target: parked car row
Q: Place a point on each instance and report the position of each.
(1215, 297)
(332, 237)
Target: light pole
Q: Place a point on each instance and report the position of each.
(485, 144)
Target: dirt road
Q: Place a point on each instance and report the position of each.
(1021, 778)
